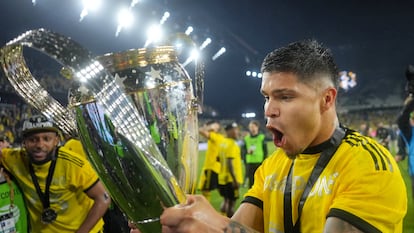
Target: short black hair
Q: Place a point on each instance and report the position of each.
(231, 126)
(305, 58)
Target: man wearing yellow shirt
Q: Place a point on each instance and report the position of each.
(211, 166)
(230, 176)
(322, 177)
(62, 191)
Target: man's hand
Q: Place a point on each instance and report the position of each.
(197, 216)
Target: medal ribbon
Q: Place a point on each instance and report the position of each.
(44, 197)
(323, 160)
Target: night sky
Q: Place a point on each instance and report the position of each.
(374, 39)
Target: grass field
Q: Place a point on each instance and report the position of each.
(408, 220)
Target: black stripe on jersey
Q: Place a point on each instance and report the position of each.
(87, 189)
(254, 201)
(353, 220)
(71, 158)
(380, 154)
(372, 148)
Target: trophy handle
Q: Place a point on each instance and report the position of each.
(91, 80)
(199, 85)
(199, 71)
(64, 50)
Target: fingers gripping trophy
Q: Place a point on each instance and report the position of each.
(134, 111)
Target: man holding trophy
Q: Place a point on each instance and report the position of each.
(323, 177)
(62, 191)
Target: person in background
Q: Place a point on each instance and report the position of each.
(383, 134)
(211, 166)
(364, 129)
(4, 141)
(323, 177)
(230, 176)
(61, 189)
(114, 219)
(13, 213)
(405, 122)
(255, 149)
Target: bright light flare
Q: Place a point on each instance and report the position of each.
(125, 20)
(154, 34)
(133, 3)
(164, 17)
(219, 53)
(195, 54)
(249, 115)
(254, 74)
(205, 43)
(89, 5)
(189, 30)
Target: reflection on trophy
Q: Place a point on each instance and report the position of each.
(130, 125)
(162, 92)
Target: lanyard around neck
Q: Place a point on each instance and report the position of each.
(44, 197)
(323, 160)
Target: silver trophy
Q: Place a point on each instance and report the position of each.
(135, 113)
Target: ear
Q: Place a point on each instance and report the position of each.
(57, 139)
(329, 98)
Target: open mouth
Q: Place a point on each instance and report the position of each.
(277, 137)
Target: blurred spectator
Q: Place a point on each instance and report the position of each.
(383, 135)
(254, 150)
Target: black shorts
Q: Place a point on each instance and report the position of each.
(211, 181)
(227, 191)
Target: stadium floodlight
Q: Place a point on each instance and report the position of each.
(193, 57)
(254, 74)
(133, 3)
(248, 115)
(125, 19)
(205, 43)
(154, 34)
(87, 6)
(164, 17)
(219, 53)
(189, 30)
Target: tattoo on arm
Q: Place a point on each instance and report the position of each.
(106, 196)
(235, 227)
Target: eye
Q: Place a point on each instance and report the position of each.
(286, 97)
(266, 98)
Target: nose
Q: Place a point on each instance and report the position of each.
(271, 110)
(39, 143)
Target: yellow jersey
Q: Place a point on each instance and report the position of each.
(230, 150)
(361, 184)
(73, 176)
(211, 161)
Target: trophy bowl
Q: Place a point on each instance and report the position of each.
(133, 112)
(161, 90)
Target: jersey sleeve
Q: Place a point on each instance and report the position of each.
(372, 193)
(10, 157)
